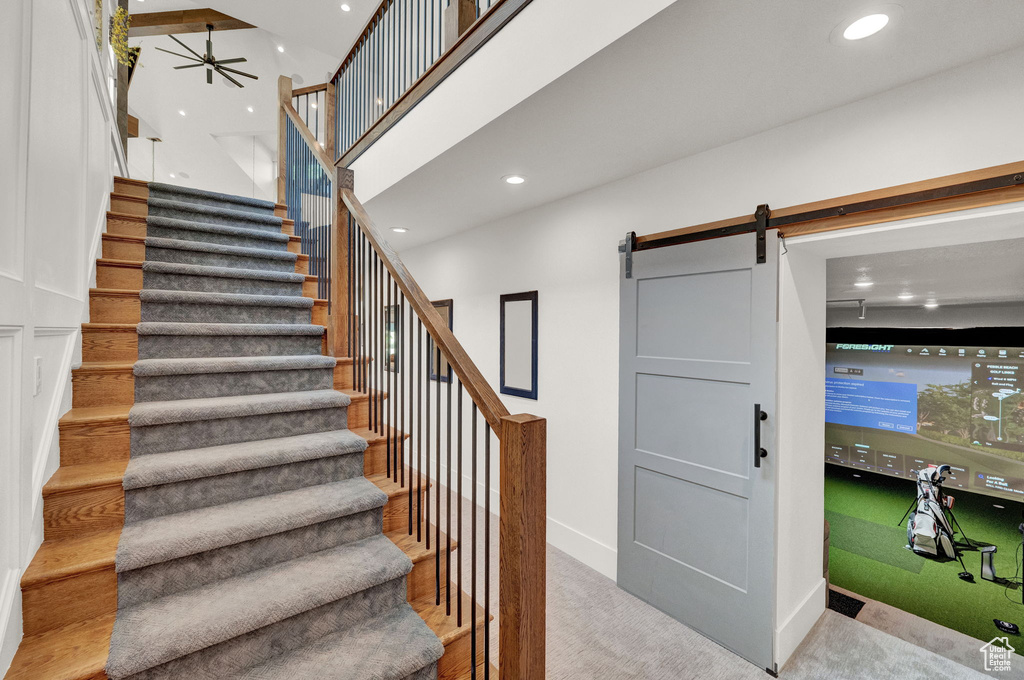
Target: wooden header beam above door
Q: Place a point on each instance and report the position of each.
(182, 21)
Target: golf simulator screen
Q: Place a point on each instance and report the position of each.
(894, 409)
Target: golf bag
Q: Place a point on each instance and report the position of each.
(928, 530)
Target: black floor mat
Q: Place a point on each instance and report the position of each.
(844, 604)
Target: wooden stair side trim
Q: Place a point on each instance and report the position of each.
(110, 342)
(99, 383)
(128, 204)
(111, 305)
(77, 651)
(121, 247)
(131, 187)
(124, 224)
(119, 274)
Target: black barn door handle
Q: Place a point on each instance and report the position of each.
(759, 451)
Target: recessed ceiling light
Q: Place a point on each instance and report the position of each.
(312, 104)
(399, 230)
(856, 475)
(172, 175)
(250, 109)
(1001, 507)
(181, 111)
(866, 26)
(514, 179)
(346, 8)
(864, 284)
(906, 296)
(380, 102)
(931, 304)
(280, 48)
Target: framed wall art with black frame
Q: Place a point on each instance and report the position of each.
(519, 344)
(445, 309)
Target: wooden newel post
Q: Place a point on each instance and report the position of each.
(522, 545)
(284, 96)
(459, 15)
(337, 317)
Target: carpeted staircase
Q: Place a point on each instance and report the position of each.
(252, 545)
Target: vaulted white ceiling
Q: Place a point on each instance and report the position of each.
(219, 144)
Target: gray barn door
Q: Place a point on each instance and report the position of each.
(696, 511)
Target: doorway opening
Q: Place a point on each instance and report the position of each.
(920, 365)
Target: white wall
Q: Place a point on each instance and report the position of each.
(500, 75)
(58, 133)
(955, 121)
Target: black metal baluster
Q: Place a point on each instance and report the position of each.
(419, 429)
(437, 482)
(393, 359)
(448, 521)
(458, 540)
(387, 359)
(472, 554)
(487, 551)
(372, 262)
(430, 343)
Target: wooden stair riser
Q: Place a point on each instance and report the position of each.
(288, 226)
(129, 205)
(295, 244)
(319, 314)
(67, 600)
(109, 344)
(102, 386)
(118, 276)
(455, 663)
(94, 442)
(106, 306)
(343, 375)
(123, 248)
(302, 265)
(131, 187)
(69, 514)
(422, 579)
(119, 224)
(310, 287)
(280, 210)
(375, 459)
(396, 512)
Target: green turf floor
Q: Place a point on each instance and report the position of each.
(868, 556)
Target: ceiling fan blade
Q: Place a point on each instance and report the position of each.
(183, 56)
(209, 76)
(220, 71)
(231, 61)
(241, 73)
(188, 66)
(198, 56)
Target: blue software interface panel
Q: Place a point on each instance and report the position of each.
(894, 409)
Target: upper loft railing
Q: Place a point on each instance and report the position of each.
(405, 50)
(436, 416)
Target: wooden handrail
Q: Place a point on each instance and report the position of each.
(491, 407)
(309, 89)
(318, 151)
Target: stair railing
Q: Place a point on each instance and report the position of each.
(437, 415)
(405, 50)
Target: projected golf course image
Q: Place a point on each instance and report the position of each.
(895, 409)
(868, 556)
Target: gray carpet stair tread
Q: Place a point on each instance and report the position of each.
(186, 192)
(186, 297)
(215, 408)
(207, 227)
(168, 537)
(220, 249)
(214, 211)
(221, 272)
(179, 466)
(202, 365)
(391, 646)
(176, 625)
(183, 328)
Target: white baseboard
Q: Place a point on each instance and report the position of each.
(794, 629)
(593, 553)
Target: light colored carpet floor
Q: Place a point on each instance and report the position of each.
(598, 632)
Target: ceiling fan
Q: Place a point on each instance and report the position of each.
(209, 61)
